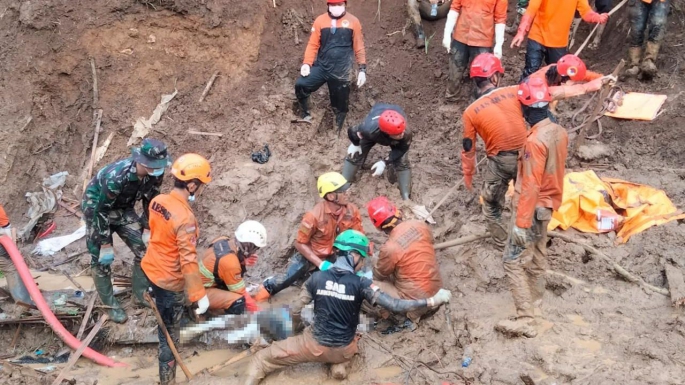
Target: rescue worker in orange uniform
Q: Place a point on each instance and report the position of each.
(16, 286)
(224, 264)
(539, 189)
(549, 23)
(171, 263)
(335, 40)
(317, 232)
(406, 266)
(477, 23)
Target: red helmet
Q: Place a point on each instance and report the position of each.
(571, 66)
(335, 1)
(486, 65)
(532, 91)
(380, 209)
(392, 122)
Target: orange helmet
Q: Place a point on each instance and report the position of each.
(392, 122)
(192, 166)
(571, 66)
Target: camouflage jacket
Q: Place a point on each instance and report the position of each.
(117, 187)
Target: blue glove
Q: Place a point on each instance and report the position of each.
(106, 255)
(325, 265)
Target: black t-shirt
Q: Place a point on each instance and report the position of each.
(338, 297)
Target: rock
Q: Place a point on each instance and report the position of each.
(594, 151)
(437, 73)
(133, 33)
(151, 39)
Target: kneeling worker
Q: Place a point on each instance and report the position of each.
(386, 124)
(337, 294)
(225, 263)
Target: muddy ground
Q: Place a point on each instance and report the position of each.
(599, 329)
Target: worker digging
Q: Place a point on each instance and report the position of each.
(304, 259)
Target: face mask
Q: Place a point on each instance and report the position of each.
(535, 115)
(336, 10)
(191, 198)
(156, 172)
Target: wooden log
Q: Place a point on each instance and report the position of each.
(205, 133)
(86, 317)
(460, 241)
(453, 189)
(208, 86)
(233, 360)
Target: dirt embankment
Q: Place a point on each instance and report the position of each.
(598, 328)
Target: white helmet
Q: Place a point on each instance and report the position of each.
(251, 232)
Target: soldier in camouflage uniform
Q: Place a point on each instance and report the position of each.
(108, 207)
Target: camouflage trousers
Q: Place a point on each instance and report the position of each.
(126, 223)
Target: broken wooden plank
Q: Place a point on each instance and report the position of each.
(676, 285)
(208, 86)
(205, 133)
(86, 316)
(75, 356)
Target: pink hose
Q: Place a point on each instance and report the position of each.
(38, 299)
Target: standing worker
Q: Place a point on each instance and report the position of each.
(171, 259)
(425, 9)
(337, 294)
(601, 6)
(14, 283)
(406, 266)
(386, 124)
(317, 232)
(551, 22)
(108, 207)
(477, 23)
(336, 38)
(224, 265)
(644, 13)
(539, 189)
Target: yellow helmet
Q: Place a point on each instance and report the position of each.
(331, 182)
(192, 166)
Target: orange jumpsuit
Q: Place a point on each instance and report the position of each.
(477, 19)
(321, 225)
(552, 20)
(406, 266)
(229, 272)
(171, 258)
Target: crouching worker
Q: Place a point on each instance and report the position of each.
(406, 266)
(224, 264)
(337, 294)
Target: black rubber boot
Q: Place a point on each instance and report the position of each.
(167, 372)
(340, 120)
(349, 170)
(139, 285)
(304, 109)
(404, 181)
(420, 37)
(103, 284)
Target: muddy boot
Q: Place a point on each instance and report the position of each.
(139, 284)
(404, 181)
(167, 372)
(574, 29)
(103, 284)
(349, 170)
(648, 63)
(522, 326)
(339, 371)
(17, 288)
(420, 37)
(598, 37)
(340, 120)
(498, 233)
(304, 110)
(634, 56)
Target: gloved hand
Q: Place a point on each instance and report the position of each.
(442, 296)
(352, 149)
(468, 182)
(524, 27)
(202, 305)
(106, 255)
(6, 231)
(596, 18)
(609, 79)
(361, 78)
(378, 168)
(519, 236)
(499, 39)
(146, 237)
(325, 265)
(251, 260)
(250, 304)
(304, 71)
(452, 18)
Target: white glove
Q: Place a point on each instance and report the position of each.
(361, 78)
(378, 168)
(499, 40)
(146, 237)
(203, 305)
(442, 296)
(352, 149)
(8, 230)
(452, 17)
(304, 71)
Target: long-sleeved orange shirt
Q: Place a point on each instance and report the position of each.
(171, 258)
(552, 20)
(542, 163)
(333, 50)
(498, 119)
(4, 220)
(477, 19)
(542, 74)
(321, 225)
(408, 258)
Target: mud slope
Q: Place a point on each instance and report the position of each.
(598, 329)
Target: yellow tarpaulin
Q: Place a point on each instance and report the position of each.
(595, 205)
(638, 106)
